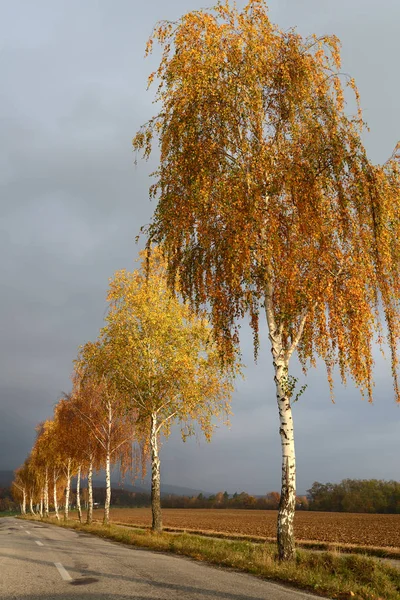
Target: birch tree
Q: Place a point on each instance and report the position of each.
(19, 487)
(109, 423)
(163, 361)
(57, 457)
(41, 453)
(31, 478)
(267, 201)
(90, 454)
(69, 445)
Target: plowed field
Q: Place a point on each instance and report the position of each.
(343, 528)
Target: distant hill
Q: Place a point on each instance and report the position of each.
(6, 478)
(144, 488)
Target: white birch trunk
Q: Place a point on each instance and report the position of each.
(41, 505)
(155, 477)
(78, 494)
(31, 504)
(106, 519)
(67, 491)
(46, 493)
(89, 517)
(23, 508)
(55, 496)
(287, 504)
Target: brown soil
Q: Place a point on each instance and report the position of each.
(341, 528)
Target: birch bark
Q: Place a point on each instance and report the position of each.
(23, 502)
(67, 491)
(31, 504)
(155, 477)
(41, 505)
(55, 496)
(46, 493)
(78, 494)
(108, 488)
(287, 504)
(108, 474)
(89, 517)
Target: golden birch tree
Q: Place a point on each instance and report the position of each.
(19, 487)
(42, 459)
(83, 407)
(163, 361)
(69, 442)
(109, 423)
(267, 201)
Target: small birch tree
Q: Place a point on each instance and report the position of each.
(83, 408)
(108, 421)
(41, 453)
(267, 201)
(19, 488)
(163, 361)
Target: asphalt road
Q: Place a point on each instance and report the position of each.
(44, 562)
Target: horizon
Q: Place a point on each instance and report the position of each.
(73, 203)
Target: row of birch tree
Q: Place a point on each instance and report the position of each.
(153, 364)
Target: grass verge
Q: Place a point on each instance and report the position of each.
(9, 513)
(330, 574)
(378, 551)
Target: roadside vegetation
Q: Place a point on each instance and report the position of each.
(330, 574)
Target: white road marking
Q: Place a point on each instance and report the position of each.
(21, 526)
(63, 572)
(38, 543)
(28, 532)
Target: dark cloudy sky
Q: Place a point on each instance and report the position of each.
(72, 95)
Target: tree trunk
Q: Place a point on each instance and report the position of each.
(287, 504)
(281, 357)
(31, 504)
(106, 519)
(46, 493)
(78, 494)
(55, 496)
(155, 477)
(41, 505)
(23, 502)
(89, 517)
(67, 491)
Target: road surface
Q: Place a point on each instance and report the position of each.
(44, 562)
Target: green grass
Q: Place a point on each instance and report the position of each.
(380, 552)
(330, 574)
(9, 513)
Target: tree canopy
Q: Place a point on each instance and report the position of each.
(264, 188)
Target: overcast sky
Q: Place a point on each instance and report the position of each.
(73, 94)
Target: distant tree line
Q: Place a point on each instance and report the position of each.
(350, 495)
(220, 500)
(6, 501)
(224, 500)
(356, 495)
